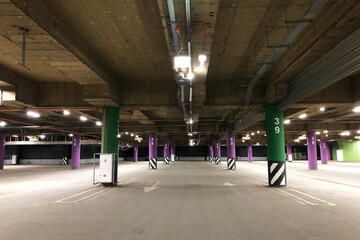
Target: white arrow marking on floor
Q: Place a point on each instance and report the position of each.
(152, 188)
(228, 184)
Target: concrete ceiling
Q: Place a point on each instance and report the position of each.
(86, 54)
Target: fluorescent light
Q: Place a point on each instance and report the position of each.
(302, 116)
(98, 123)
(66, 112)
(325, 131)
(322, 109)
(317, 133)
(202, 60)
(287, 121)
(346, 133)
(32, 114)
(42, 136)
(190, 75)
(119, 136)
(356, 109)
(15, 136)
(82, 118)
(2, 124)
(182, 61)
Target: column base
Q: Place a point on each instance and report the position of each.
(231, 163)
(313, 168)
(217, 160)
(75, 168)
(277, 173)
(1, 168)
(152, 163)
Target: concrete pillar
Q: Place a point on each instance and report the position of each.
(217, 153)
(289, 152)
(136, 153)
(323, 156)
(311, 150)
(231, 155)
(211, 152)
(75, 153)
(275, 146)
(2, 151)
(249, 152)
(110, 130)
(173, 152)
(166, 152)
(152, 150)
(328, 151)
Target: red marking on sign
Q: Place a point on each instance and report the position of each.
(105, 160)
(104, 175)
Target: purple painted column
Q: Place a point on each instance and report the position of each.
(173, 152)
(211, 151)
(152, 150)
(231, 155)
(323, 156)
(328, 151)
(217, 149)
(289, 152)
(2, 151)
(166, 148)
(249, 152)
(75, 153)
(311, 150)
(136, 153)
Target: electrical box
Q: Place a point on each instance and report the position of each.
(106, 167)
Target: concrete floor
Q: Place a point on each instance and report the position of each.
(188, 200)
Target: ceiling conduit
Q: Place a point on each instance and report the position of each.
(340, 62)
(309, 15)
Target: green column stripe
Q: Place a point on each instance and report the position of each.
(110, 130)
(274, 134)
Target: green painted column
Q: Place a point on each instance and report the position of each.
(275, 146)
(110, 129)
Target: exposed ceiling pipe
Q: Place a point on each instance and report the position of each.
(309, 15)
(188, 27)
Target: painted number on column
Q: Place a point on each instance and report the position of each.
(277, 123)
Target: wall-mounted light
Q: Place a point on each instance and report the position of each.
(33, 114)
(83, 118)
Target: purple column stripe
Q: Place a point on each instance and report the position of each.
(311, 149)
(250, 153)
(230, 145)
(75, 154)
(217, 149)
(323, 156)
(136, 153)
(166, 148)
(328, 151)
(211, 151)
(2, 151)
(288, 150)
(152, 145)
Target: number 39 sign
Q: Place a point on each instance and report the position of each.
(277, 123)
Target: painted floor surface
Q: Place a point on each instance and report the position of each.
(183, 200)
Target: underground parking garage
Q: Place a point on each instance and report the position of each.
(179, 119)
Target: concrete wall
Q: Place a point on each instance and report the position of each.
(351, 150)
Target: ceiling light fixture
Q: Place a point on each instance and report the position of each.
(346, 133)
(126, 133)
(190, 134)
(182, 61)
(2, 124)
(70, 135)
(322, 109)
(42, 136)
(83, 118)
(257, 144)
(252, 134)
(356, 109)
(258, 132)
(15, 136)
(302, 116)
(132, 134)
(287, 121)
(202, 60)
(118, 136)
(98, 123)
(190, 76)
(66, 112)
(325, 131)
(317, 133)
(191, 121)
(32, 114)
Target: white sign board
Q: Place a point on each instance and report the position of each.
(106, 168)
